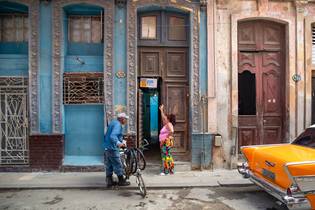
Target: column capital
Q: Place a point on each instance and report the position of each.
(300, 5)
(203, 5)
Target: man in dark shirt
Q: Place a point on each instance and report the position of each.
(112, 142)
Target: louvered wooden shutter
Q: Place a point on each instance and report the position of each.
(313, 44)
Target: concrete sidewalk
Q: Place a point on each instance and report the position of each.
(96, 180)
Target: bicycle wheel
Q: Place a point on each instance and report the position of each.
(140, 159)
(128, 162)
(133, 161)
(141, 185)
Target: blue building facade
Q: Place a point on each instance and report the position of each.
(67, 67)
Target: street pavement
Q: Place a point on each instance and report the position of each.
(216, 198)
(218, 190)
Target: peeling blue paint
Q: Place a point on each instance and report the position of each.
(120, 56)
(84, 131)
(13, 65)
(14, 48)
(203, 53)
(81, 63)
(45, 72)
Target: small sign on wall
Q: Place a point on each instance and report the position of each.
(148, 82)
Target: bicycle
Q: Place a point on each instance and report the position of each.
(133, 162)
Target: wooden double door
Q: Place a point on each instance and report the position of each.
(261, 87)
(171, 66)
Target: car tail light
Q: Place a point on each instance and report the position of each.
(289, 192)
(293, 189)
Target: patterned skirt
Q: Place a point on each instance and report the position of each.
(167, 158)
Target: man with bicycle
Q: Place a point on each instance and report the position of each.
(112, 142)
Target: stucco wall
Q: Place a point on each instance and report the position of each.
(224, 105)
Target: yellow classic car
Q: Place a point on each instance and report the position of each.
(286, 171)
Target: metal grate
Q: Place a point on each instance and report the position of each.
(13, 121)
(83, 88)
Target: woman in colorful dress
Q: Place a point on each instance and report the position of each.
(167, 142)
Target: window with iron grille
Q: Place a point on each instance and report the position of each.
(83, 88)
(85, 29)
(13, 28)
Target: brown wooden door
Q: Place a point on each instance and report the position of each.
(260, 98)
(261, 83)
(175, 93)
(171, 64)
(272, 97)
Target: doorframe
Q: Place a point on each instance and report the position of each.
(59, 51)
(193, 10)
(309, 21)
(290, 97)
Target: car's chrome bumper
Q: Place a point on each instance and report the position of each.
(295, 201)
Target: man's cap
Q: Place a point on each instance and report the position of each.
(123, 115)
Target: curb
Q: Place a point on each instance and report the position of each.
(127, 187)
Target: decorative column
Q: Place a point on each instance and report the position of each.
(300, 66)
(212, 101)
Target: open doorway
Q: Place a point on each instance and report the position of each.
(163, 59)
(149, 120)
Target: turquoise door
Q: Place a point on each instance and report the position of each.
(84, 131)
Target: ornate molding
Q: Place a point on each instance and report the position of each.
(300, 5)
(58, 46)
(203, 4)
(33, 60)
(185, 5)
(121, 3)
(195, 73)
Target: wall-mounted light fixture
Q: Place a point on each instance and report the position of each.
(296, 77)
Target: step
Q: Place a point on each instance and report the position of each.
(155, 168)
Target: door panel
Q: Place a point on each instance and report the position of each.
(247, 134)
(271, 80)
(176, 64)
(247, 36)
(271, 134)
(150, 61)
(271, 97)
(272, 36)
(260, 36)
(176, 103)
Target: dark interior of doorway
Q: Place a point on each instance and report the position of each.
(151, 124)
(246, 93)
(313, 99)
